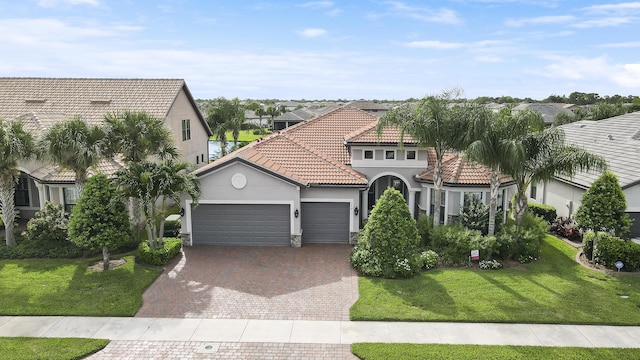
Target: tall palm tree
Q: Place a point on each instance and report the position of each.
(261, 112)
(431, 123)
(543, 155)
(495, 141)
(272, 111)
(155, 183)
(236, 120)
(16, 145)
(218, 118)
(137, 136)
(73, 145)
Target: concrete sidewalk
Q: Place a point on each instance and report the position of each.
(318, 332)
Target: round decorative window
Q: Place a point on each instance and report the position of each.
(239, 181)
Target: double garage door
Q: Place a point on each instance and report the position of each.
(268, 224)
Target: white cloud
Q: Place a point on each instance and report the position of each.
(317, 4)
(594, 69)
(556, 19)
(630, 44)
(441, 15)
(620, 7)
(312, 32)
(56, 3)
(489, 58)
(433, 44)
(605, 22)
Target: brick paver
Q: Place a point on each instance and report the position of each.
(148, 350)
(315, 282)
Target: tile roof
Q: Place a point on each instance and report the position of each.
(87, 97)
(369, 135)
(54, 174)
(547, 110)
(456, 170)
(310, 153)
(617, 139)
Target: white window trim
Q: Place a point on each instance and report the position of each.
(406, 155)
(373, 154)
(395, 154)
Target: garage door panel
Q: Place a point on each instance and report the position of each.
(325, 222)
(241, 224)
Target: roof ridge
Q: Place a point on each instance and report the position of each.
(81, 78)
(320, 116)
(354, 134)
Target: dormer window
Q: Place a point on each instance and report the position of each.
(411, 154)
(368, 154)
(390, 154)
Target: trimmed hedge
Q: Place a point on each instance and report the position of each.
(29, 249)
(159, 256)
(610, 249)
(547, 212)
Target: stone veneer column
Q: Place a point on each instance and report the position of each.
(296, 241)
(353, 237)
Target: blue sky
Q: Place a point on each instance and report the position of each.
(332, 49)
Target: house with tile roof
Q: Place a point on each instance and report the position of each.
(617, 139)
(42, 102)
(316, 181)
(547, 110)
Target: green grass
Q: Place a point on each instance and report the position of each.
(375, 351)
(554, 289)
(22, 348)
(68, 287)
(245, 136)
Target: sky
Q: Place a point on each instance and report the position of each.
(312, 50)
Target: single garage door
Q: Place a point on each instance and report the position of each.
(241, 224)
(325, 222)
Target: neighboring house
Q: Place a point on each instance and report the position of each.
(314, 182)
(291, 118)
(617, 139)
(250, 117)
(41, 102)
(370, 107)
(547, 110)
(289, 105)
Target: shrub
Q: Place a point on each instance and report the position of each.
(489, 265)
(454, 243)
(161, 255)
(587, 244)
(389, 240)
(49, 224)
(30, 249)
(522, 243)
(610, 249)
(99, 220)
(566, 227)
(475, 215)
(425, 227)
(172, 228)
(547, 212)
(603, 207)
(428, 259)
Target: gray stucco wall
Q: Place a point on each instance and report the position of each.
(195, 147)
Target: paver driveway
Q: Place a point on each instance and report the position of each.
(315, 282)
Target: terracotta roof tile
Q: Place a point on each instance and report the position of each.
(457, 170)
(54, 174)
(369, 135)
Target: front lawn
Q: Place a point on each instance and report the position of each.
(24, 348)
(375, 351)
(68, 287)
(244, 136)
(554, 289)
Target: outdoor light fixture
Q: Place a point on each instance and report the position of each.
(296, 213)
(356, 211)
(181, 212)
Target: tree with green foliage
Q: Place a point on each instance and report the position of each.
(495, 141)
(541, 155)
(225, 115)
(431, 123)
(73, 145)
(153, 184)
(603, 207)
(388, 246)
(260, 112)
(99, 220)
(272, 111)
(16, 145)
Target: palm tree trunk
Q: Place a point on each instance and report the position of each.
(437, 181)
(521, 205)
(7, 192)
(105, 259)
(493, 201)
(134, 217)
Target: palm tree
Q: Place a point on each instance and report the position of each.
(543, 155)
(16, 145)
(155, 183)
(137, 136)
(219, 116)
(236, 120)
(272, 111)
(431, 123)
(261, 112)
(496, 138)
(73, 145)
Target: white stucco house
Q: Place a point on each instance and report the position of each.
(315, 182)
(617, 139)
(41, 102)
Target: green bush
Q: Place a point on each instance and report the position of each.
(522, 243)
(388, 246)
(610, 249)
(428, 259)
(425, 227)
(547, 212)
(159, 256)
(49, 224)
(172, 228)
(454, 243)
(587, 244)
(30, 249)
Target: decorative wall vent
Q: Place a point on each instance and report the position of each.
(101, 102)
(35, 101)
